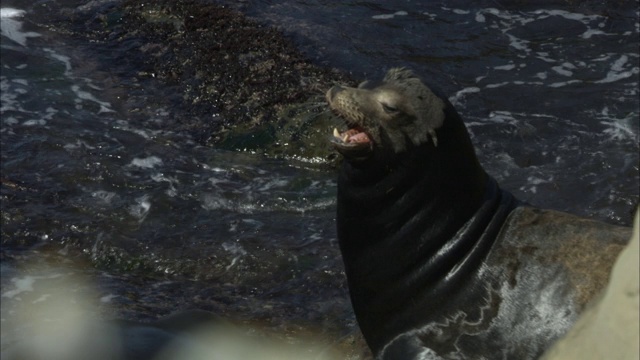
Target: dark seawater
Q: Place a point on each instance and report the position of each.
(93, 177)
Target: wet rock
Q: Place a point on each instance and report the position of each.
(608, 329)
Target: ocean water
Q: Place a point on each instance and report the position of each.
(96, 183)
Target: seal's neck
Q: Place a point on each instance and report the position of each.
(444, 182)
(410, 227)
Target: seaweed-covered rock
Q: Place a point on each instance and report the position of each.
(236, 83)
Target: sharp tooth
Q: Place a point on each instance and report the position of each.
(336, 133)
(345, 138)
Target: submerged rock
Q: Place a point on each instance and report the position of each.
(232, 82)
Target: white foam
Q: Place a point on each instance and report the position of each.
(78, 144)
(562, 71)
(568, 15)
(172, 190)
(533, 182)
(147, 163)
(215, 202)
(505, 67)
(273, 184)
(124, 126)
(8, 13)
(214, 169)
(246, 205)
(500, 117)
(104, 196)
(235, 249)
(11, 28)
(619, 72)
(461, 93)
(65, 60)
(493, 86)
(603, 57)
(564, 83)
(83, 95)
(215, 181)
(161, 284)
(518, 44)
(108, 298)
(389, 16)
(382, 17)
(590, 32)
(8, 97)
(618, 129)
(35, 122)
(618, 65)
(141, 209)
(541, 75)
(506, 21)
(544, 57)
(430, 16)
(10, 120)
(25, 284)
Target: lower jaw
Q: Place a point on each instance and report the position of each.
(355, 152)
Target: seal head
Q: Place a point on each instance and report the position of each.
(400, 111)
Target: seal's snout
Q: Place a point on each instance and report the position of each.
(333, 91)
(354, 143)
(400, 106)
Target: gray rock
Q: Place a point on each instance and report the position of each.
(610, 327)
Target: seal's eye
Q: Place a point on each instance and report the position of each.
(388, 108)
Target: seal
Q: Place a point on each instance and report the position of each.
(441, 262)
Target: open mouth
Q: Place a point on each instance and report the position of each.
(353, 143)
(351, 136)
